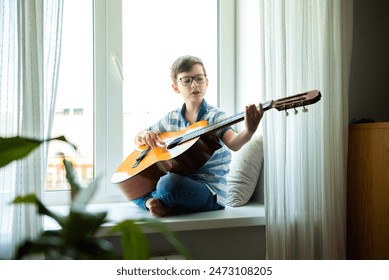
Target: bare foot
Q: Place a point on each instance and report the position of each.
(156, 207)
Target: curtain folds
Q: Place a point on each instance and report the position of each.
(29, 56)
(306, 45)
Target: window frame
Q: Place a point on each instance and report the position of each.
(108, 87)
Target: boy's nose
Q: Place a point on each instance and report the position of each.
(193, 83)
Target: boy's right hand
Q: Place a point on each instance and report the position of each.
(149, 138)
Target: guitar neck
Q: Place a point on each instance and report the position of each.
(282, 104)
(220, 125)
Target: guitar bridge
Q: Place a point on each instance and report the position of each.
(141, 156)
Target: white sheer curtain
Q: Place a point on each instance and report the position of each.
(305, 45)
(30, 33)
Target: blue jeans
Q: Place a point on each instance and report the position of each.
(182, 194)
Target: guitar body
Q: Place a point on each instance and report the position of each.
(187, 150)
(182, 159)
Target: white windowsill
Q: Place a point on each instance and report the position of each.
(251, 214)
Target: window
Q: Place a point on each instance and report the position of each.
(184, 27)
(114, 78)
(74, 105)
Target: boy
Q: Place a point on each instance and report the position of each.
(206, 188)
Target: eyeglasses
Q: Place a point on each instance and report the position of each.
(187, 81)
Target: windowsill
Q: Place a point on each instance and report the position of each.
(251, 214)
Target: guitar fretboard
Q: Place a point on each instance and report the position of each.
(220, 125)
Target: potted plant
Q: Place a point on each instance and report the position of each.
(77, 236)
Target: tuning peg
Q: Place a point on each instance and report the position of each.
(286, 112)
(295, 111)
(305, 109)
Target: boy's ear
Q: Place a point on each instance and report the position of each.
(175, 88)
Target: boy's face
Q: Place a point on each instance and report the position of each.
(194, 92)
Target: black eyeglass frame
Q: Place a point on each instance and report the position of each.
(193, 78)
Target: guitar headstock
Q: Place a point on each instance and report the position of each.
(294, 101)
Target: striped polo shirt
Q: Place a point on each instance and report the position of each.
(213, 172)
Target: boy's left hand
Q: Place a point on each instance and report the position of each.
(253, 116)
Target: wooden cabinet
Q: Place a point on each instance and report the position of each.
(368, 191)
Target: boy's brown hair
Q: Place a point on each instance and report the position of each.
(184, 64)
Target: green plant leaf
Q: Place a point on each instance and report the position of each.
(82, 225)
(47, 243)
(15, 148)
(169, 235)
(79, 236)
(85, 195)
(72, 178)
(30, 247)
(80, 196)
(42, 209)
(134, 243)
(94, 249)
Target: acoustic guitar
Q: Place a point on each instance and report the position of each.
(187, 150)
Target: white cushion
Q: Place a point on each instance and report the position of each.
(245, 168)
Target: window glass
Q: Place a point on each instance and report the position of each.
(155, 33)
(151, 41)
(74, 105)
